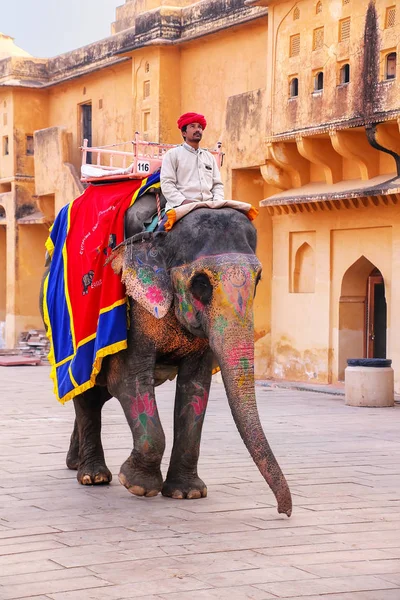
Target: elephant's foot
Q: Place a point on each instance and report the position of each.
(180, 488)
(72, 459)
(140, 481)
(94, 474)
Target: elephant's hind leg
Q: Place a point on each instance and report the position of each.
(191, 398)
(92, 469)
(73, 452)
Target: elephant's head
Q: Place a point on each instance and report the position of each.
(206, 267)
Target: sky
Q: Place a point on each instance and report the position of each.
(45, 28)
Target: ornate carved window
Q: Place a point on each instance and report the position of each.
(294, 45)
(318, 8)
(296, 14)
(146, 89)
(318, 38)
(390, 20)
(344, 29)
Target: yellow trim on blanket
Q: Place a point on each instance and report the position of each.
(74, 383)
(67, 298)
(49, 246)
(64, 360)
(118, 303)
(142, 185)
(49, 333)
(100, 354)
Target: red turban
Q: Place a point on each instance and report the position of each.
(192, 117)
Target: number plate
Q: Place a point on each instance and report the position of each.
(143, 166)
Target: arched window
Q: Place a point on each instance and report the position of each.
(345, 73)
(296, 14)
(319, 81)
(304, 270)
(294, 87)
(390, 65)
(318, 8)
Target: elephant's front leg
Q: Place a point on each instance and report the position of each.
(141, 473)
(191, 399)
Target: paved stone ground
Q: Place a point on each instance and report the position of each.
(62, 541)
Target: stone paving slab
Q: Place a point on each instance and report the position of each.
(62, 541)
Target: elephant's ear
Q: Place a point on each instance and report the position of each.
(144, 273)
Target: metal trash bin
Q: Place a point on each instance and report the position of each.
(369, 382)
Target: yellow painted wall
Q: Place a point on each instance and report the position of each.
(305, 326)
(111, 124)
(226, 64)
(30, 112)
(31, 258)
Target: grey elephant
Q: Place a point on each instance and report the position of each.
(204, 273)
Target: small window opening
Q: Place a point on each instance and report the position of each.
(294, 45)
(318, 38)
(6, 150)
(390, 20)
(319, 81)
(146, 89)
(30, 151)
(390, 65)
(318, 8)
(345, 74)
(294, 87)
(296, 14)
(147, 67)
(344, 29)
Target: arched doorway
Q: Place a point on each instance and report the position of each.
(376, 316)
(362, 314)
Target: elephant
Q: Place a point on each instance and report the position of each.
(205, 272)
(87, 282)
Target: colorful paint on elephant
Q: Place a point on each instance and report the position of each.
(233, 279)
(144, 277)
(143, 411)
(196, 408)
(199, 403)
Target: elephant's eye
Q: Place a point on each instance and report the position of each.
(201, 288)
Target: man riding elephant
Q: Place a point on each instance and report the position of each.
(190, 173)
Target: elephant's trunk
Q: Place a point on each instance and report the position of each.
(236, 359)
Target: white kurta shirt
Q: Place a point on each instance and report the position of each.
(189, 174)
